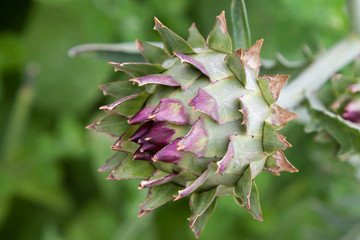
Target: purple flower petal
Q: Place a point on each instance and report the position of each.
(155, 182)
(170, 110)
(195, 185)
(196, 140)
(159, 134)
(205, 103)
(352, 111)
(113, 105)
(141, 131)
(142, 156)
(169, 154)
(187, 59)
(142, 115)
(150, 148)
(156, 79)
(354, 88)
(225, 161)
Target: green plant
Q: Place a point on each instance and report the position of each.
(176, 153)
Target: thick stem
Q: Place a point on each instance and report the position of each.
(320, 71)
(354, 15)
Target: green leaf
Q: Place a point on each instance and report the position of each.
(241, 28)
(137, 70)
(124, 144)
(120, 89)
(270, 86)
(272, 140)
(131, 169)
(214, 64)
(113, 124)
(199, 225)
(195, 39)
(255, 208)
(234, 61)
(265, 90)
(151, 53)
(127, 106)
(219, 38)
(172, 41)
(112, 162)
(242, 188)
(158, 196)
(199, 203)
(183, 74)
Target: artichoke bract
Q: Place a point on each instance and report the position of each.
(202, 123)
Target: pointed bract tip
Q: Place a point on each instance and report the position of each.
(193, 25)
(239, 53)
(281, 116)
(180, 147)
(247, 204)
(91, 126)
(142, 213)
(140, 186)
(222, 20)
(139, 46)
(102, 169)
(219, 170)
(135, 80)
(251, 56)
(112, 63)
(282, 139)
(157, 23)
(177, 197)
(111, 177)
(103, 88)
(283, 164)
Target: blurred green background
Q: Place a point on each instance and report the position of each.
(49, 185)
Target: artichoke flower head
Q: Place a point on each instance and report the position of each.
(201, 122)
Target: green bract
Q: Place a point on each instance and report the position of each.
(202, 123)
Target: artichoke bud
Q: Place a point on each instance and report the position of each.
(201, 123)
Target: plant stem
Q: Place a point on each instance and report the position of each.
(354, 15)
(320, 71)
(127, 47)
(240, 22)
(20, 113)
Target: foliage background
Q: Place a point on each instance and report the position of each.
(49, 186)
